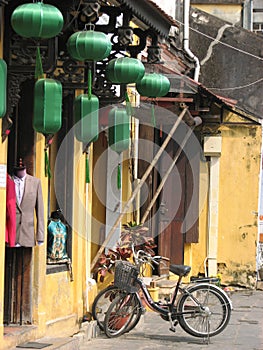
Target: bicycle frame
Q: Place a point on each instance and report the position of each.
(163, 309)
(168, 309)
(202, 308)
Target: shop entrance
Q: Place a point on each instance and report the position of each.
(18, 260)
(18, 294)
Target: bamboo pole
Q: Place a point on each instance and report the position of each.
(138, 187)
(160, 187)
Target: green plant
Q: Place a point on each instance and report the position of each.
(132, 236)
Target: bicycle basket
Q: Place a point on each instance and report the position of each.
(125, 276)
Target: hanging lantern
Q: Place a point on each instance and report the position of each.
(86, 118)
(3, 74)
(37, 20)
(119, 129)
(89, 45)
(125, 70)
(119, 134)
(47, 106)
(153, 85)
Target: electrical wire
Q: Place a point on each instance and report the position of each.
(225, 44)
(236, 87)
(234, 48)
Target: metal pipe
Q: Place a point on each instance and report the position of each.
(186, 40)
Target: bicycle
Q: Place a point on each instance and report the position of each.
(202, 309)
(105, 297)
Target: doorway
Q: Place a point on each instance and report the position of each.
(18, 266)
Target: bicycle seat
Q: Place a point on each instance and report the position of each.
(180, 270)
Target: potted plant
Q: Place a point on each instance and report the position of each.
(132, 236)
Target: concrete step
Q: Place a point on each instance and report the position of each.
(67, 343)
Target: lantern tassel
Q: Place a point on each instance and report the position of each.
(47, 165)
(153, 120)
(119, 176)
(128, 104)
(87, 169)
(89, 83)
(39, 74)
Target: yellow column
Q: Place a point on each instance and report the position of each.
(213, 216)
(79, 226)
(39, 252)
(3, 156)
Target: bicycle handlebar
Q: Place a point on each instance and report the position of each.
(141, 257)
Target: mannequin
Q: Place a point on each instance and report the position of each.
(29, 201)
(57, 239)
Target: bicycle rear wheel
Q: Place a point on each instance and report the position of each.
(205, 310)
(123, 315)
(102, 302)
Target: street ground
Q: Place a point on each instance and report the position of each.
(244, 332)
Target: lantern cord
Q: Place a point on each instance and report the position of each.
(47, 165)
(128, 104)
(89, 83)
(153, 119)
(39, 74)
(119, 176)
(87, 168)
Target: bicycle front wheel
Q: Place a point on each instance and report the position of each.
(123, 315)
(204, 311)
(102, 302)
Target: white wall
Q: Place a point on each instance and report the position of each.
(167, 5)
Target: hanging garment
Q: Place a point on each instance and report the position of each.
(57, 242)
(10, 233)
(31, 203)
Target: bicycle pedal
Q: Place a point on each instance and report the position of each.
(143, 309)
(172, 329)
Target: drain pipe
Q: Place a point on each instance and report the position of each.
(186, 39)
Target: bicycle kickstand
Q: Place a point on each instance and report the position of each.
(206, 340)
(172, 327)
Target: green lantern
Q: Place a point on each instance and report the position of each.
(125, 70)
(119, 134)
(153, 85)
(89, 45)
(47, 106)
(86, 118)
(3, 74)
(119, 129)
(37, 20)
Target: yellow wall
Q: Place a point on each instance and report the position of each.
(195, 254)
(230, 13)
(239, 189)
(238, 206)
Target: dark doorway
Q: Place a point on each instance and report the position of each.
(18, 279)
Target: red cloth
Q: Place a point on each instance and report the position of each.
(10, 232)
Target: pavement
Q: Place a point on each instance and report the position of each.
(244, 331)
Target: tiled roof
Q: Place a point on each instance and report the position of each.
(170, 19)
(148, 12)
